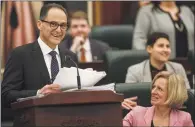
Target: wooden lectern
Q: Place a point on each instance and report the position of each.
(70, 109)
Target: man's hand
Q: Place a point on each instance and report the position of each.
(77, 41)
(129, 103)
(52, 88)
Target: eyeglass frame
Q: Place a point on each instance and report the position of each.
(50, 23)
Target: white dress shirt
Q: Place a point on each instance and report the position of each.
(88, 54)
(47, 57)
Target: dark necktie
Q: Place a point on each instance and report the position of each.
(54, 65)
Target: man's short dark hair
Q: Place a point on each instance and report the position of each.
(154, 37)
(45, 9)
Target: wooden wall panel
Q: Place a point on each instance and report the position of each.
(106, 12)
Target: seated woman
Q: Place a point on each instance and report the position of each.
(168, 94)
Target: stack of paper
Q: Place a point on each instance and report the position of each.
(102, 87)
(67, 77)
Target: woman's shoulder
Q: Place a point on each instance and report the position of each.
(147, 8)
(185, 9)
(140, 109)
(182, 114)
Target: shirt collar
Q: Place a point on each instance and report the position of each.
(45, 48)
(155, 69)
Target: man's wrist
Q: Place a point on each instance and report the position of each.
(73, 48)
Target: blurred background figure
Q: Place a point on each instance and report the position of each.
(168, 17)
(87, 49)
(131, 9)
(158, 47)
(168, 94)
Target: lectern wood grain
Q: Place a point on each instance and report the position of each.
(80, 108)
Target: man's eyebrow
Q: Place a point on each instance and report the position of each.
(60, 22)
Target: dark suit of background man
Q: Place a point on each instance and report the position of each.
(30, 69)
(87, 49)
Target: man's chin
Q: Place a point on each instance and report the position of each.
(57, 39)
(56, 42)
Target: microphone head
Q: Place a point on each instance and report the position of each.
(67, 58)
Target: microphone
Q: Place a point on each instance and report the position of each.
(78, 76)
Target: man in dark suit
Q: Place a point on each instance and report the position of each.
(32, 68)
(87, 49)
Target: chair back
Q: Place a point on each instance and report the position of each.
(118, 61)
(191, 59)
(141, 90)
(190, 104)
(116, 36)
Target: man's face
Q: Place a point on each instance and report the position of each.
(50, 31)
(79, 27)
(160, 51)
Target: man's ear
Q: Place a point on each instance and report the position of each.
(149, 49)
(39, 24)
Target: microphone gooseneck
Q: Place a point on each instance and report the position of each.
(78, 76)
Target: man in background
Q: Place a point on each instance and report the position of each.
(87, 49)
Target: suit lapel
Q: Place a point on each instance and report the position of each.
(150, 113)
(173, 118)
(62, 57)
(149, 116)
(169, 67)
(94, 52)
(147, 72)
(39, 61)
(64, 62)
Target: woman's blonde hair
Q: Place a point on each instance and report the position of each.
(177, 91)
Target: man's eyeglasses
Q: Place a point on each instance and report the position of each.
(54, 25)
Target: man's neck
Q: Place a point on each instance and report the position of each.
(52, 46)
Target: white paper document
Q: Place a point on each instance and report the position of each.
(98, 88)
(30, 97)
(67, 77)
